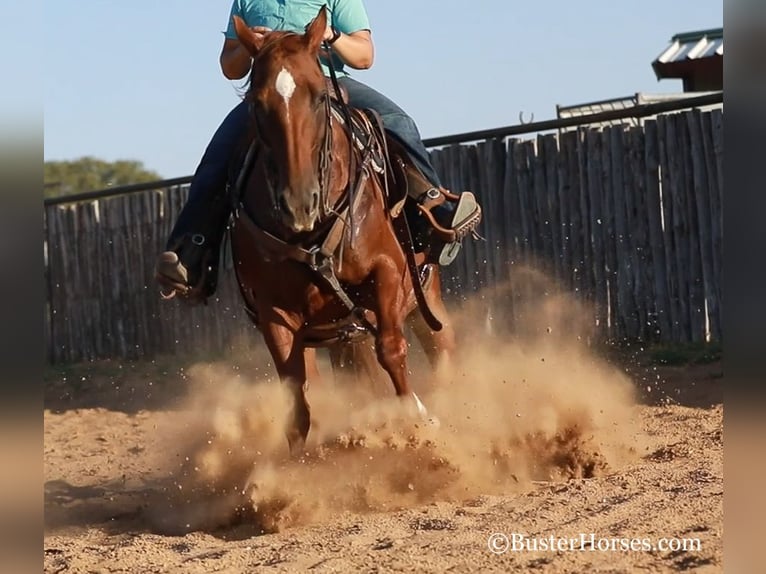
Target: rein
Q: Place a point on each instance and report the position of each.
(325, 161)
(321, 257)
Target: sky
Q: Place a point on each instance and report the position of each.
(141, 80)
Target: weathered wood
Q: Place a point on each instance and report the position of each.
(470, 258)
(565, 190)
(716, 238)
(596, 224)
(544, 252)
(482, 185)
(666, 141)
(679, 225)
(510, 213)
(588, 283)
(701, 200)
(523, 206)
(504, 241)
(628, 219)
(622, 247)
(501, 247)
(570, 141)
(638, 230)
(553, 210)
(696, 296)
(609, 240)
(716, 120)
(535, 221)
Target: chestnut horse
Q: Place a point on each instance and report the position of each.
(318, 243)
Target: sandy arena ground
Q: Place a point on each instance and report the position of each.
(155, 469)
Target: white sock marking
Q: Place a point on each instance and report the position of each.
(432, 420)
(421, 407)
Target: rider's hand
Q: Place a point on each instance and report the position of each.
(260, 31)
(329, 34)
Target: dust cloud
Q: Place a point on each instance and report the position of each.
(527, 399)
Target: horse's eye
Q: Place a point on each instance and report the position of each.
(259, 115)
(258, 110)
(319, 100)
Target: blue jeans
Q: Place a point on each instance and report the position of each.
(395, 120)
(227, 146)
(211, 176)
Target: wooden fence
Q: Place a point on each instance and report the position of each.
(627, 218)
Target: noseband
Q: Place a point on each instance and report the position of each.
(325, 152)
(324, 249)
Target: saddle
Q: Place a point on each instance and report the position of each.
(388, 156)
(404, 179)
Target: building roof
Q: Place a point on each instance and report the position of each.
(636, 100)
(687, 49)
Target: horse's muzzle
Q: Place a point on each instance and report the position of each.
(302, 214)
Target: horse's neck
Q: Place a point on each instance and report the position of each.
(341, 162)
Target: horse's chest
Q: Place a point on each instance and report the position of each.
(296, 288)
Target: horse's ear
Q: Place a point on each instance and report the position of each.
(315, 31)
(247, 37)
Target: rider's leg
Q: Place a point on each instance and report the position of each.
(189, 266)
(451, 215)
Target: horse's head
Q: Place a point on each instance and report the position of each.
(288, 95)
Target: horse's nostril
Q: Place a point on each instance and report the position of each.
(283, 204)
(315, 201)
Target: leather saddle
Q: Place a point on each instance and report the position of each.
(388, 156)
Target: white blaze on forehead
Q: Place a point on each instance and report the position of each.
(285, 85)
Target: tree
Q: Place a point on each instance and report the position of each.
(89, 174)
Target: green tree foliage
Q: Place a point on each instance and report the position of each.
(89, 174)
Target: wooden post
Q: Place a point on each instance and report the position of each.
(596, 224)
(587, 271)
(550, 145)
(701, 197)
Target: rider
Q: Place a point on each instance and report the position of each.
(189, 266)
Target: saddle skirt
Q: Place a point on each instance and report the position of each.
(367, 132)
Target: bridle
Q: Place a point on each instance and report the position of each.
(325, 247)
(327, 209)
(320, 255)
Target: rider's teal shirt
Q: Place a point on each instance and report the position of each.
(348, 16)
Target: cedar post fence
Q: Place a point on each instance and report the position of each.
(627, 218)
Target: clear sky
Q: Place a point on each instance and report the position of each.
(140, 80)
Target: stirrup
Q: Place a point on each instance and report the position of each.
(465, 218)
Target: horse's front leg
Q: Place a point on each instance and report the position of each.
(312, 368)
(289, 360)
(390, 343)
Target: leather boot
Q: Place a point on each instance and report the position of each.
(189, 266)
(446, 219)
(442, 219)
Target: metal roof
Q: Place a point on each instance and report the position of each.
(691, 46)
(636, 100)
